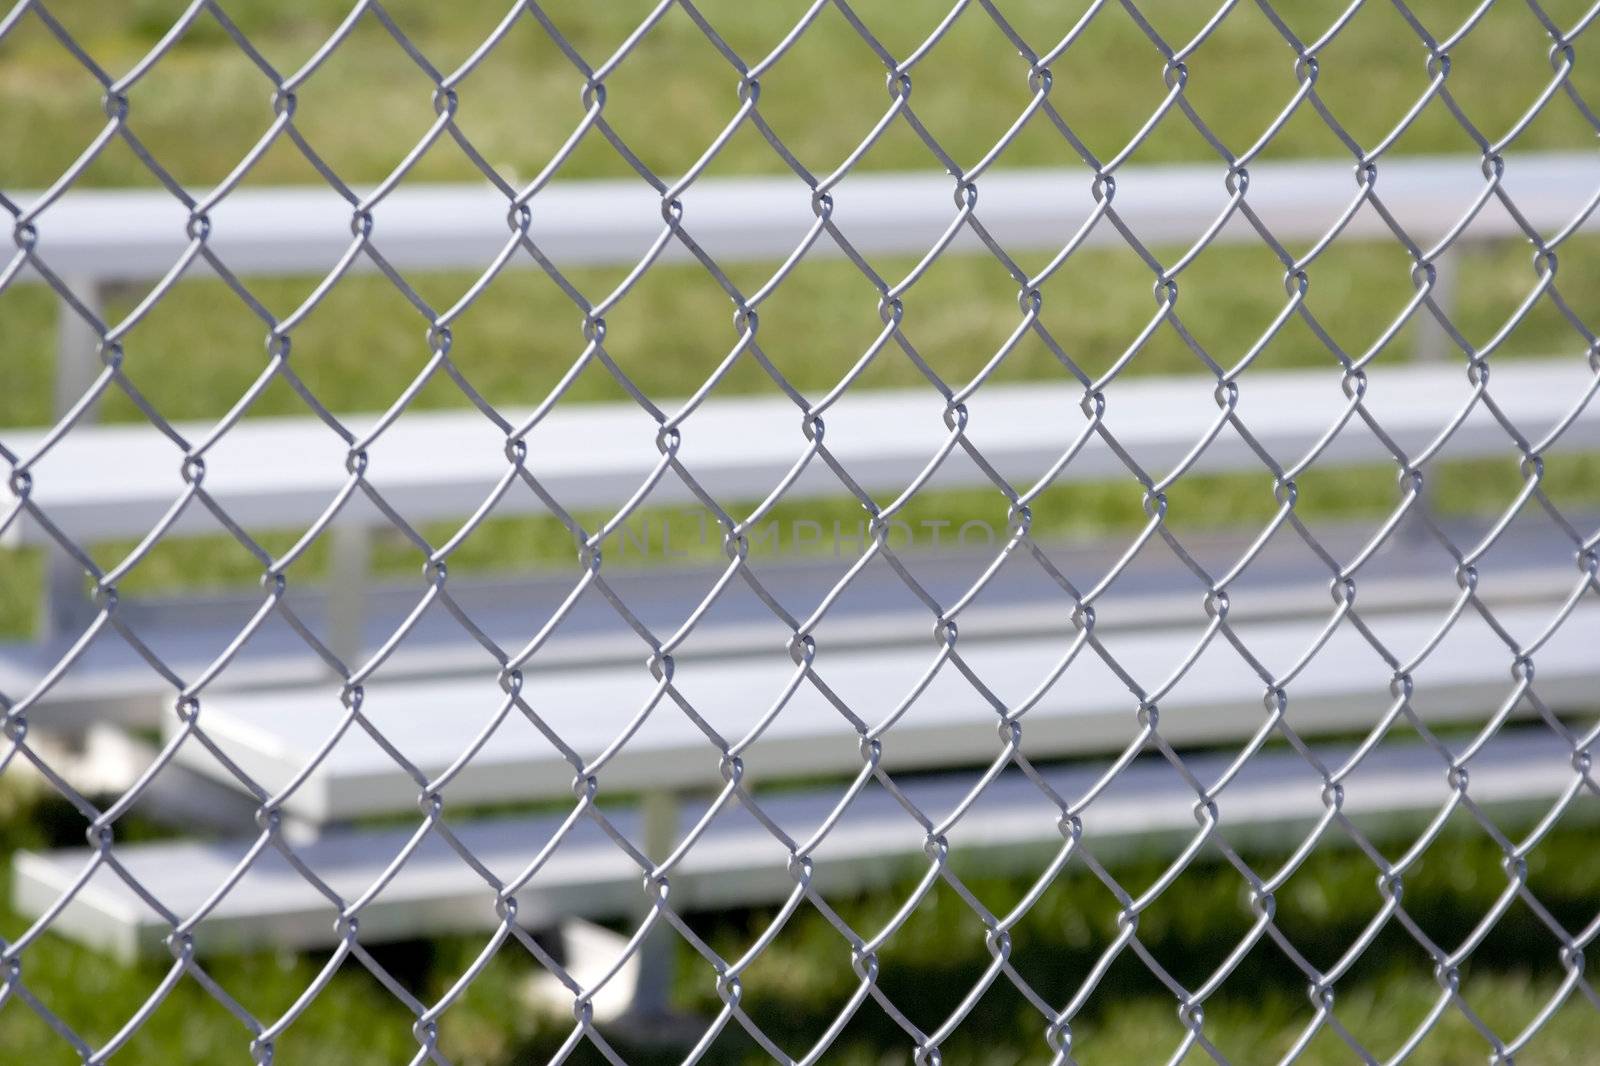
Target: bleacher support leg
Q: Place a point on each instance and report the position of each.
(652, 996)
(76, 367)
(348, 570)
(1434, 346)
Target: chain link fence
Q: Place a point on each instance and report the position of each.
(1037, 65)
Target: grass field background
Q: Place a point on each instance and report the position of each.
(203, 106)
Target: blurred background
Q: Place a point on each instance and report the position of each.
(203, 106)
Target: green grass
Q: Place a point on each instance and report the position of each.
(799, 984)
(203, 106)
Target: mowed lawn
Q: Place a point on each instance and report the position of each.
(205, 104)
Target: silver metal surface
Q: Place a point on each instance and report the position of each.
(1147, 807)
(802, 647)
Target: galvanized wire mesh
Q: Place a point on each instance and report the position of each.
(956, 402)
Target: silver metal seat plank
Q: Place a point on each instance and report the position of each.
(738, 862)
(1346, 686)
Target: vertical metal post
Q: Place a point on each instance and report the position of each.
(1433, 343)
(652, 996)
(349, 564)
(76, 367)
(1434, 346)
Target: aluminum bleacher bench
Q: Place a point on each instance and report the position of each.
(136, 235)
(280, 474)
(591, 679)
(102, 238)
(271, 734)
(738, 862)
